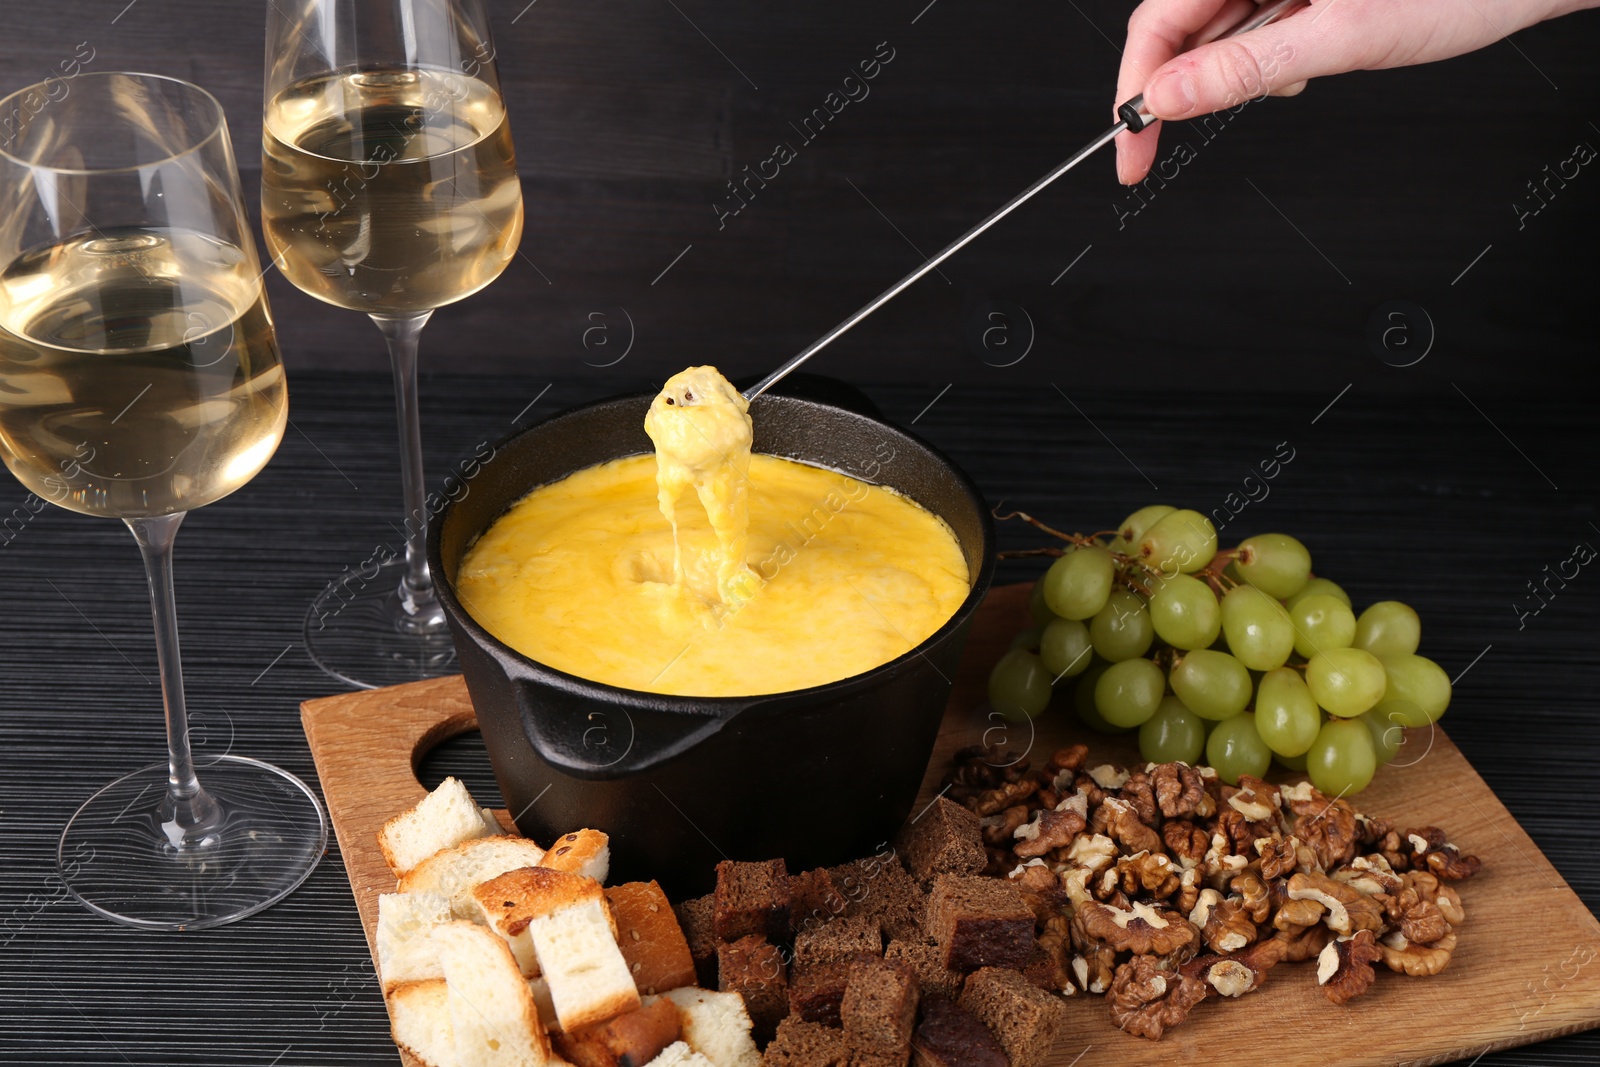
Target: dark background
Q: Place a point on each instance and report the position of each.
(1230, 314)
(629, 121)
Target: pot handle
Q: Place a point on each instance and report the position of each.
(590, 739)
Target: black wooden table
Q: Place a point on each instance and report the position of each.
(1452, 500)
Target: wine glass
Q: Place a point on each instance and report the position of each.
(140, 379)
(389, 185)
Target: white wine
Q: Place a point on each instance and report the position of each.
(390, 191)
(139, 371)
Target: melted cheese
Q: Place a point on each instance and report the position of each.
(583, 575)
(701, 428)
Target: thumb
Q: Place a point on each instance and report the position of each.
(1226, 73)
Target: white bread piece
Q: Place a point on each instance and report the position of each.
(679, 1054)
(585, 852)
(492, 1012)
(419, 1022)
(541, 999)
(404, 952)
(574, 937)
(456, 872)
(491, 823)
(442, 819)
(715, 1025)
(500, 904)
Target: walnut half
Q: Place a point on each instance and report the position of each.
(1344, 967)
(1148, 1001)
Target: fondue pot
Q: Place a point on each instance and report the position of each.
(817, 776)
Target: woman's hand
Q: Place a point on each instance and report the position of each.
(1182, 77)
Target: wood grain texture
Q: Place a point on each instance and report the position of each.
(1501, 989)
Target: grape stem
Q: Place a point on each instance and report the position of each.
(1212, 574)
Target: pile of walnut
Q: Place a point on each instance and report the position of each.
(1164, 886)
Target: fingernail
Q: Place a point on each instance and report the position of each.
(1171, 95)
(1122, 164)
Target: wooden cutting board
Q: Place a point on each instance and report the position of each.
(1527, 967)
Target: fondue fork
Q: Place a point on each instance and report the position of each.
(1133, 118)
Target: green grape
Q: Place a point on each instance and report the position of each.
(1121, 630)
(1172, 733)
(1346, 681)
(1287, 718)
(1419, 680)
(1213, 685)
(1274, 563)
(1388, 628)
(1178, 543)
(1037, 607)
(1128, 693)
(1028, 639)
(1315, 587)
(1341, 760)
(1235, 748)
(1064, 647)
(1019, 686)
(1257, 627)
(1184, 612)
(1083, 701)
(1078, 584)
(1400, 711)
(1387, 734)
(1322, 622)
(1293, 763)
(1134, 526)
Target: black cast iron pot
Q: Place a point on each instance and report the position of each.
(817, 776)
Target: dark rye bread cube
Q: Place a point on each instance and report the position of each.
(880, 887)
(813, 900)
(817, 989)
(933, 977)
(945, 838)
(753, 968)
(694, 917)
(751, 898)
(879, 1009)
(979, 922)
(948, 1035)
(802, 1044)
(845, 936)
(1023, 1018)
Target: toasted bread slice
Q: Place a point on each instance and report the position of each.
(585, 852)
(457, 871)
(442, 819)
(651, 939)
(573, 934)
(715, 1025)
(493, 1017)
(419, 1022)
(679, 1054)
(404, 952)
(632, 1039)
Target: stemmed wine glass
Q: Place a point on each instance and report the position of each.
(140, 379)
(389, 186)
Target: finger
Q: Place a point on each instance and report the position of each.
(1226, 73)
(1232, 13)
(1157, 31)
(1291, 90)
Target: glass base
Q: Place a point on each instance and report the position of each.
(118, 857)
(359, 631)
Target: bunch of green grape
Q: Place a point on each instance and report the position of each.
(1234, 658)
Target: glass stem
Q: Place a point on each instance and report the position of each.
(189, 815)
(421, 607)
